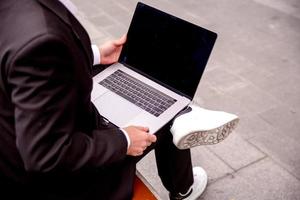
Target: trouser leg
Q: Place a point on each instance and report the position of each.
(174, 165)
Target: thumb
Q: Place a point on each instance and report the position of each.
(121, 40)
(142, 128)
(152, 138)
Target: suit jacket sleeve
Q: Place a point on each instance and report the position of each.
(45, 94)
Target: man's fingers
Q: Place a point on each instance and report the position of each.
(152, 138)
(140, 151)
(142, 128)
(140, 139)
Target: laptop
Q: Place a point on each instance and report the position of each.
(158, 71)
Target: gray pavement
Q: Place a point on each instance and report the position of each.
(254, 72)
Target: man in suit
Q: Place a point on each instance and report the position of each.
(53, 142)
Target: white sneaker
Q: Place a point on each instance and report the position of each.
(202, 127)
(198, 187)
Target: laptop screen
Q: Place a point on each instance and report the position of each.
(167, 49)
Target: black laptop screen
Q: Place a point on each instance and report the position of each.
(170, 50)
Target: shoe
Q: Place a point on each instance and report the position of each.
(199, 126)
(198, 187)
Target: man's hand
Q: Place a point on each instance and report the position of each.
(110, 51)
(140, 139)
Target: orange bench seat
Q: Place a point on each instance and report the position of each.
(141, 191)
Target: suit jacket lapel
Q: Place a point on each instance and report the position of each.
(80, 33)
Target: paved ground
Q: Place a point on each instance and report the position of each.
(254, 72)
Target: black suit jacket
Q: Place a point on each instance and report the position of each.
(50, 132)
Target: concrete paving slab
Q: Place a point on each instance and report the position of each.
(263, 180)
(212, 98)
(201, 156)
(224, 80)
(236, 152)
(252, 125)
(284, 119)
(291, 8)
(288, 93)
(215, 167)
(281, 148)
(254, 99)
(102, 20)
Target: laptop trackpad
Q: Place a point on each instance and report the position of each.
(116, 109)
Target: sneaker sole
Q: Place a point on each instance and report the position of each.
(208, 137)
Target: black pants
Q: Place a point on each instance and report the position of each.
(174, 165)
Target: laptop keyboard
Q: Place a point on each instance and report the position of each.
(137, 92)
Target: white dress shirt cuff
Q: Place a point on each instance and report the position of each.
(96, 53)
(70, 6)
(127, 137)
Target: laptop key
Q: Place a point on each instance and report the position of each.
(138, 93)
